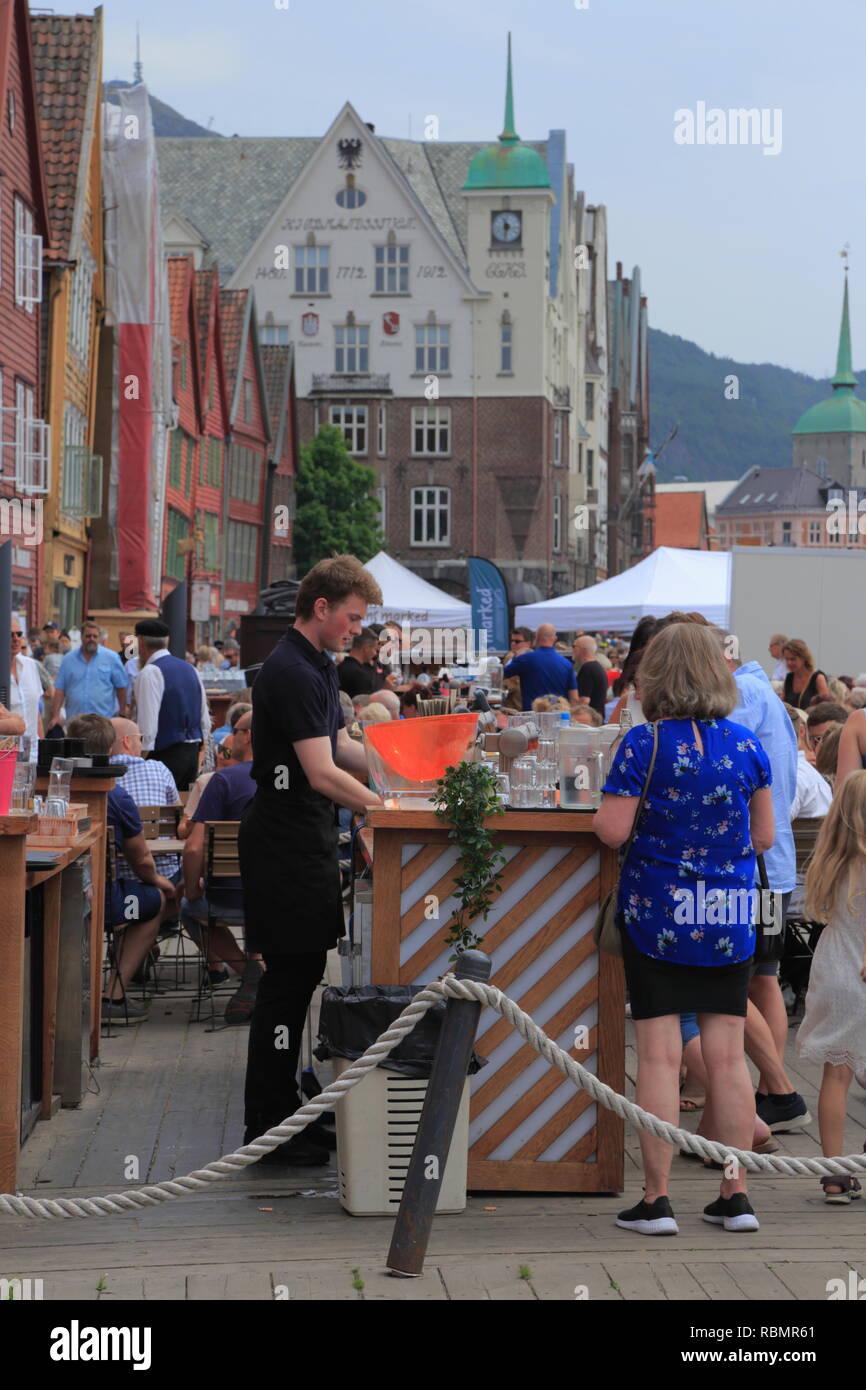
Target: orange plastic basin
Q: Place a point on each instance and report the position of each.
(419, 750)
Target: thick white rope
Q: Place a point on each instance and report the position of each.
(449, 987)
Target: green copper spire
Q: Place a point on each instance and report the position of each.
(844, 374)
(508, 164)
(509, 135)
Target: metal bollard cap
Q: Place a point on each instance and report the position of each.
(473, 965)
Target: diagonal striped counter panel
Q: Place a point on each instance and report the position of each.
(530, 1130)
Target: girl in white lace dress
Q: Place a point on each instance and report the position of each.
(833, 1030)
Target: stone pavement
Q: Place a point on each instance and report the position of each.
(169, 1094)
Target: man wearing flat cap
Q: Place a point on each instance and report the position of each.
(172, 704)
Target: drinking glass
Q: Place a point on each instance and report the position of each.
(503, 789)
(57, 798)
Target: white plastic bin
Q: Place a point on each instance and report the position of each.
(376, 1125)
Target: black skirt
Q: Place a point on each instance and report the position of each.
(293, 902)
(660, 987)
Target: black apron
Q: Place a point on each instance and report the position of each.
(293, 901)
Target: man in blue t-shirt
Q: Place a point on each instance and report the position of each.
(224, 798)
(543, 671)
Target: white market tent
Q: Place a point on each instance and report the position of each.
(409, 597)
(694, 581)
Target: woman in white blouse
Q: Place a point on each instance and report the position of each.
(25, 690)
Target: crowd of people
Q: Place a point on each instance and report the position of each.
(729, 759)
(725, 758)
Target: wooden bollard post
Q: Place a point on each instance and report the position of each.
(436, 1125)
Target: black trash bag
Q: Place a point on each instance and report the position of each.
(352, 1018)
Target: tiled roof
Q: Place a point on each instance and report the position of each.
(681, 520)
(275, 369)
(233, 307)
(776, 490)
(65, 48)
(178, 292)
(204, 288)
(231, 188)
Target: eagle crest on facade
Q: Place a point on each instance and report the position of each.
(349, 153)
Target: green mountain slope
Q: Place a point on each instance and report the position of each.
(719, 438)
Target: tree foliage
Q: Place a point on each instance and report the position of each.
(335, 511)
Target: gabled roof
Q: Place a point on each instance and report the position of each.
(184, 316)
(15, 19)
(681, 520)
(66, 58)
(239, 330)
(209, 322)
(776, 490)
(277, 367)
(231, 188)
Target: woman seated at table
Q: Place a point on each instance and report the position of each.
(686, 900)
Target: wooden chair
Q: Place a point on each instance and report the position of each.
(221, 866)
(160, 822)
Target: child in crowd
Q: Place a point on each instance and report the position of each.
(833, 1030)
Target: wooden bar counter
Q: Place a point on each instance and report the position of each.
(530, 1129)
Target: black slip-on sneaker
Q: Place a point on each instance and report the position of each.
(650, 1218)
(734, 1213)
(780, 1115)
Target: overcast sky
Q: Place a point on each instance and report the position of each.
(738, 249)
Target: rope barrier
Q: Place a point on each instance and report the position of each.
(449, 987)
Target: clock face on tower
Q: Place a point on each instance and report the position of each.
(506, 228)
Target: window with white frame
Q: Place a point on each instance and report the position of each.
(74, 440)
(352, 420)
(557, 439)
(392, 269)
(352, 348)
(589, 400)
(381, 429)
(432, 347)
(431, 516)
(431, 429)
(28, 258)
(274, 335)
(506, 343)
(32, 444)
(557, 525)
(382, 499)
(814, 533)
(312, 269)
(80, 309)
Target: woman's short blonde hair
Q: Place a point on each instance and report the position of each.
(550, 704)
(683, 675)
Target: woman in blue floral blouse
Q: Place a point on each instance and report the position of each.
(686, 898)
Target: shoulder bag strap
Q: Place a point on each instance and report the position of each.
(637, 813)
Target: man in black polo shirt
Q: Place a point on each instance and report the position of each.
(303, 766)
(359, 672)
(592, 686)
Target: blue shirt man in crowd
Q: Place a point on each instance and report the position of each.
(543, 671)
(91, 680)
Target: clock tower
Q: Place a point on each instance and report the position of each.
(508, 201)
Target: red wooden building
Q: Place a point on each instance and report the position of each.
(279, 368)
(208, 556)
(24, 236)
(244, 553)
(184, 442)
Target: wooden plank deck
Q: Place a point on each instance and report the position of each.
(170, 1097)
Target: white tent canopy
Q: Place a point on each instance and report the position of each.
(694, 581)
(408, 597)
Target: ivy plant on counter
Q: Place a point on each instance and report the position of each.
(464, 798)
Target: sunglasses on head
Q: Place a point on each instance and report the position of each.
(17, 634)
